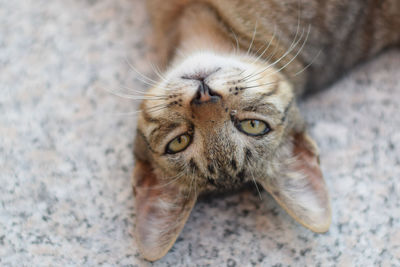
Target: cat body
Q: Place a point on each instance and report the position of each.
(342, 33)
(224, 112)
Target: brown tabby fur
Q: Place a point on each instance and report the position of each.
(310, 43)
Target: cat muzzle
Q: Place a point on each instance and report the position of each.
(205, 94)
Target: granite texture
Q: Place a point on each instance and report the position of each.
(66, 161)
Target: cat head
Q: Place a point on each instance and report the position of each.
(214, 122)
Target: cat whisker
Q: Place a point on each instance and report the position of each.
(259, 85)
(178, 87)
(252, 38)
(266, 60)
(142, 93)
(151, 82)
(166, 89)
(130, 113)
(298, 52)
(258, 50)
(294, 45)
(230, 76)
(133, 90)
(157, 109)
(134, 97)
(236, 40)
(147, 83)
(291, 47)
(309, 64)
(254, 181)
(144, 79)
(135, 112)
(158, 73)
(266, 49)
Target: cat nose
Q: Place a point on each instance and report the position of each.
(204, 94)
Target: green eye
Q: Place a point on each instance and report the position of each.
(178, 144)
(253, 127)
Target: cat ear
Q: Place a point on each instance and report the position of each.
(298, 186)
(161, 211)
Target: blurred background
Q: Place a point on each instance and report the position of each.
(66, 153)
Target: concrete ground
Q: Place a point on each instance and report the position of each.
(66, 161)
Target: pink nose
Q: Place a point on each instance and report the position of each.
(204, 94)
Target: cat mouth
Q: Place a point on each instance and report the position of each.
(200, 76)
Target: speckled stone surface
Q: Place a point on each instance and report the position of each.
(65, 154)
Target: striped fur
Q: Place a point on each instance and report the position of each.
(258, 56)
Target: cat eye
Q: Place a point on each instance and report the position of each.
(178, 144)
(253, 127)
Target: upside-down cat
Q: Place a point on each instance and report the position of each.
(225, 111)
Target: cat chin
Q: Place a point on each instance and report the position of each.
(206, 61)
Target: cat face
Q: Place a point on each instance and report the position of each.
(216, 118)
(213, 123)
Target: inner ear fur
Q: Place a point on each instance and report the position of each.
(162, 207)
(297, 184)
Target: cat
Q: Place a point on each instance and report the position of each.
(224, 112)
